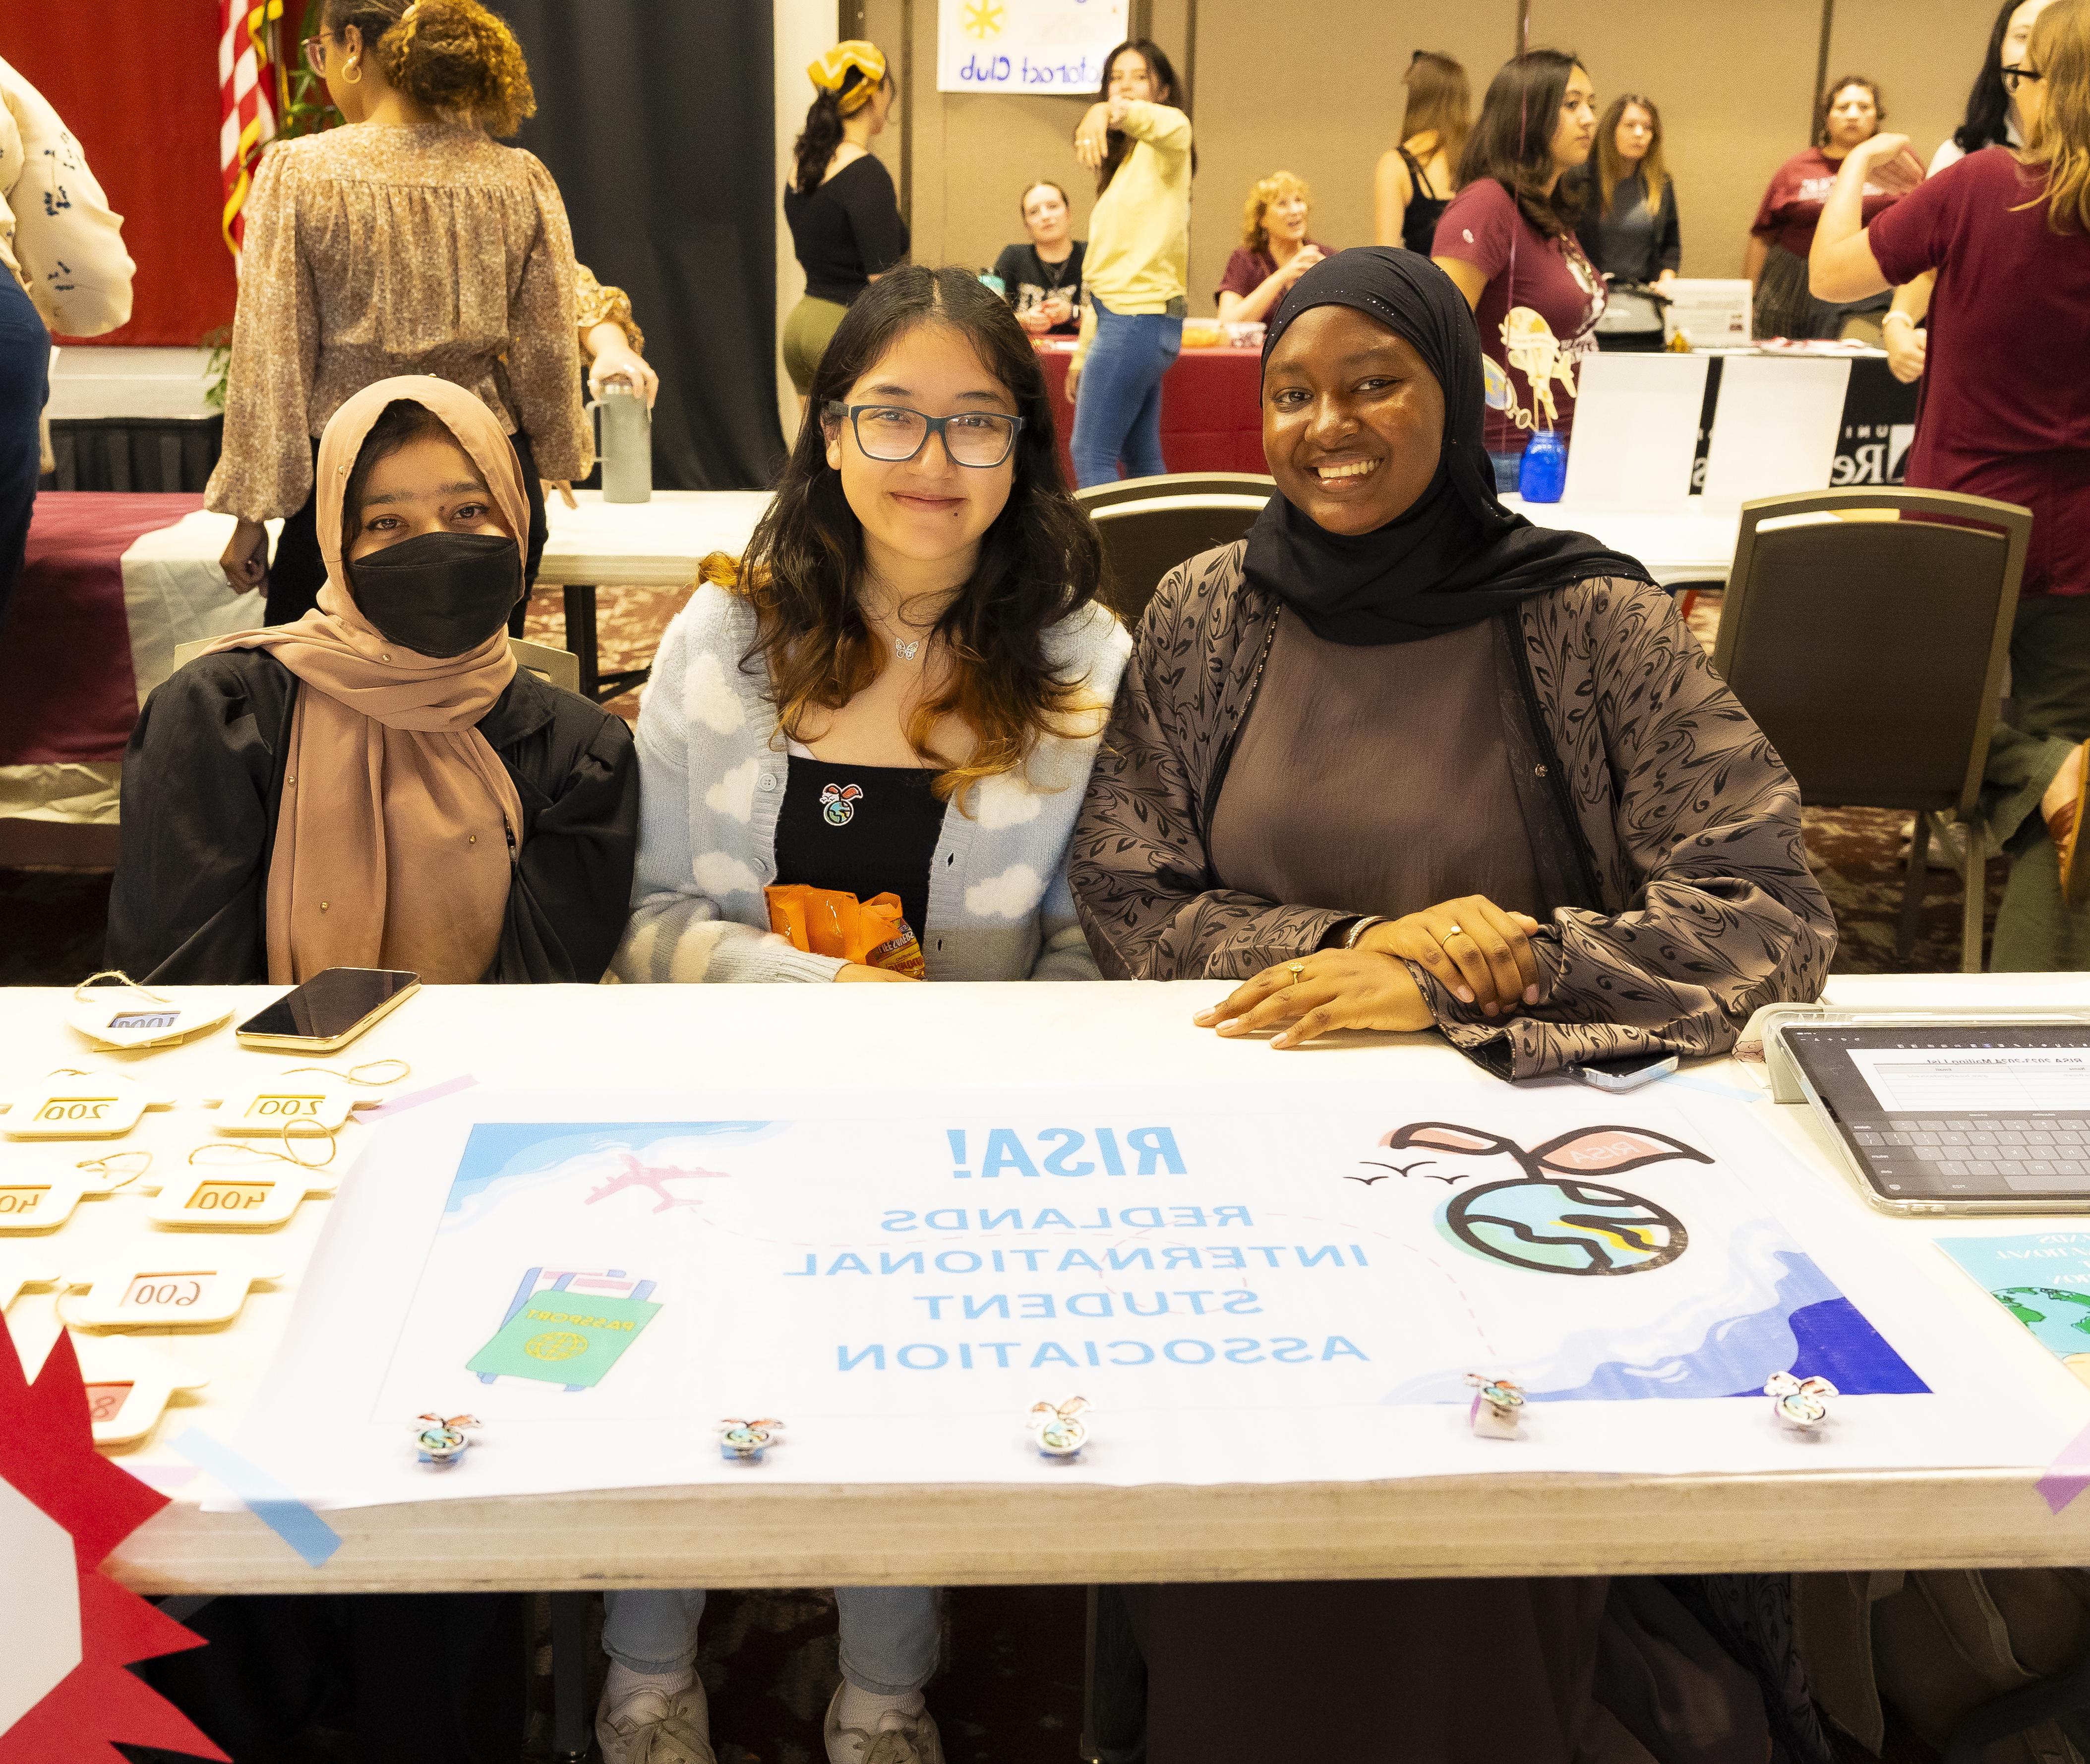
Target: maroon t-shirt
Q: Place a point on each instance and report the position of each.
(2004, 410)
(1247, 270)
(1543, 297)
(1791, 207)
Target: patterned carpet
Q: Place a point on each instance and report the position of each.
(1014, 1653)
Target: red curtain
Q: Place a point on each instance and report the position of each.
(136, 82)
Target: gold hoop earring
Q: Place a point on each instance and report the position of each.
(355, 68)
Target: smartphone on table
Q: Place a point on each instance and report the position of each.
(329, 1010)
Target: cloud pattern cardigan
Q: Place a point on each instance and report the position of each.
(713, 766)
(1664, 827)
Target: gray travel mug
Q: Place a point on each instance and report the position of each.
(624, 442)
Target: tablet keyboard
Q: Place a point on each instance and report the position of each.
(2033, 1153)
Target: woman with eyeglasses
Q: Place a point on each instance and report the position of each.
(1993, 120)
(408, 242)
(1783, 231)
(2005, 414)
(898, 688)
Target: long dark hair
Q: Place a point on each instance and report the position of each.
(1988, 121)
(822, 135)
(1167, 89)
(1040, 563)
(1512, 142)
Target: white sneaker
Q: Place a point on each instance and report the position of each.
(899, 1739)
(650, 1728)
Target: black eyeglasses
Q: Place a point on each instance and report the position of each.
(892, 433)
(2014, 77)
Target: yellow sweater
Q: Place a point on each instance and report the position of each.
(1138, 258)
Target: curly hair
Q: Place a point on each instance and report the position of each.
(452, 55)
(1040, 563)
(1261, 194)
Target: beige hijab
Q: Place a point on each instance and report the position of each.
(395, 842)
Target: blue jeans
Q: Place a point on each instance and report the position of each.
(890, 1634)
(25, 361)
(1117, 407)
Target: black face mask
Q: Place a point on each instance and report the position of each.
(439, 593)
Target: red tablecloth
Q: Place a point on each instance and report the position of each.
(67, 694)
(1211, 408)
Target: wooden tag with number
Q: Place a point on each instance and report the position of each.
(306, 1106)
(242, 1197)
(129, 1385)
(100, 1105)
(177, 1292)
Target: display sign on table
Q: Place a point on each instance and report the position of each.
(1243, 1290)
(1035, 46)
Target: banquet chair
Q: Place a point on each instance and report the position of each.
(1867, 632)
(554, 667)
(1149, 525)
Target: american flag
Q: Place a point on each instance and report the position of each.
(247, 101)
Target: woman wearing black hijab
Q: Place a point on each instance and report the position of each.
(1399, 721)
(1401, 759)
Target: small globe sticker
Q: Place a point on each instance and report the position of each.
(1565, 1226)
(555, 1344)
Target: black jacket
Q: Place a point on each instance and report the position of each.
(203, 781)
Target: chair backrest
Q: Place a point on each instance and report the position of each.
(1870, 650)
(557, 667)
(1149, 525)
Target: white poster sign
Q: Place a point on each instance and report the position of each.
(600, 1280)
(1035, 46)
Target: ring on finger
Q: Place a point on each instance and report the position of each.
(1454, 930)
(1296, 970)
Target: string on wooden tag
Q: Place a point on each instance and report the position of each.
(125, 984)
(237, 1152)
(356, 1075)
(105, 1167)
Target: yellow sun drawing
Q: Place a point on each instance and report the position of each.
(984, 18)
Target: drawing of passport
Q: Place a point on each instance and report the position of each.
(566, 1327)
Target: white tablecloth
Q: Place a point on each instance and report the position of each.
(1040, 1040)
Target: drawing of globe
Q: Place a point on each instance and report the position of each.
(1564, 1226)
(555, 1344)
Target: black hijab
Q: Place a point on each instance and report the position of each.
(1457, 556)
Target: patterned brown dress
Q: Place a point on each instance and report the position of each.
(1663, 827)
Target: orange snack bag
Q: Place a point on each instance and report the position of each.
(832, 922)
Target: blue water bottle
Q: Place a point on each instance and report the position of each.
(1543, 475)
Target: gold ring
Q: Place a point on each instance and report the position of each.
(1453, 930)
(1298, 968)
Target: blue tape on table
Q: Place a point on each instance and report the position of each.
(289, 1518)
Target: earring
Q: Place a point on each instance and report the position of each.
(352, 74)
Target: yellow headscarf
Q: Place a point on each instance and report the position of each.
(832, 69)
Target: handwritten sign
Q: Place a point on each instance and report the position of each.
(1038, 47)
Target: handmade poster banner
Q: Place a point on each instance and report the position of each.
(1026, 46)
(1247, 1292)
(2041, 1278)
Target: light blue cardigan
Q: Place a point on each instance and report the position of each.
(712, 768)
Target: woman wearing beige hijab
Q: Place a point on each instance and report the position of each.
(377, 784)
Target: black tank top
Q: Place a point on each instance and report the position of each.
(1418, 225)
